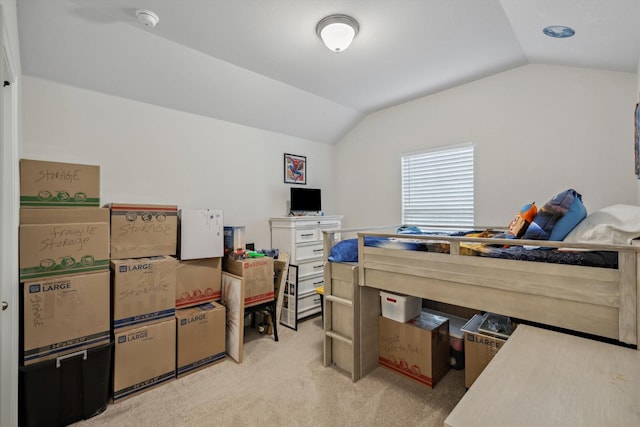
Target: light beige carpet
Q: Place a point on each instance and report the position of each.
(285, 384)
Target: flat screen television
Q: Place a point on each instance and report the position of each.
(305, 199)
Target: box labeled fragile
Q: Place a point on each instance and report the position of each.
(139, 231)
(201, 333)
(144, 291)
(258, 277)
(63, 242)
(418, 349)
(55, 184)
(399, 307)
(198, 281)
(479, 349)
(64, 315)
(144, 358)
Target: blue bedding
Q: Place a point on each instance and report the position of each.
(347, 251)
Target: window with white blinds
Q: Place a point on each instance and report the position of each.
(437, 187)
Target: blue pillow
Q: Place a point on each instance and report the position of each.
(577, 212)
(344, 251)
(551, 213)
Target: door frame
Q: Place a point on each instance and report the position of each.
(9, 214)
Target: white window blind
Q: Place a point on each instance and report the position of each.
(437, 187)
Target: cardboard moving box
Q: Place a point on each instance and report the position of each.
(144, 291)
(418, 349)
(479, 349)
(144, 358)
(198, 281)
(64, 315)
(139, 231)
(258, 277)
(62, 242)
(53, 184)
(201, 333)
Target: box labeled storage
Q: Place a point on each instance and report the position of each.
(64, 315)
(62, 242)
(144, 291)
(258, 278)
(65, 390)
(418, 349)
(234, 237)
(201, 333)
(201, 233)
(198, 281)
(54, 184)
(143, 230)
(479, 349)
(144, 358)
(399, 307)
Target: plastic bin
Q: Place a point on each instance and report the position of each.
(456, 338)
(61, 391)
(399, 307)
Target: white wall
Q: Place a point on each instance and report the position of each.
(537, 130)
(149, 154)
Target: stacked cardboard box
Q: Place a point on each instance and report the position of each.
(201, 335)
(143, 271)
(65, 298)
(201, 247)
(257, 274)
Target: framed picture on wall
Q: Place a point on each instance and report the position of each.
(636, 140)
(295, 169)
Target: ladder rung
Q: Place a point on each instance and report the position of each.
(339, 300)
(339, 337)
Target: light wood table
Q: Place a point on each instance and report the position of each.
(545, 378)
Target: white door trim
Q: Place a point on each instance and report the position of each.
(9, 219)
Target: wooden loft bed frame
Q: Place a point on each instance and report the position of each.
(591, 300)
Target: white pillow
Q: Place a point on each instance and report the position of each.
(613, 225)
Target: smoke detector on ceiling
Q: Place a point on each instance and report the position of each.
(147, 17)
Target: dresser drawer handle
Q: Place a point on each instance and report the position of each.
(307, 235)
(318, 266)
(317, 250)
(318, 283)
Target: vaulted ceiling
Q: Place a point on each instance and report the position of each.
(261, 64)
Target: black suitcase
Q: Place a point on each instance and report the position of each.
(62, 391)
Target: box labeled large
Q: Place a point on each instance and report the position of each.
(54, 184)
(139, 231)
(201, 333)
(144, 291)
(418, 349)
(258, 278)
(198, 281)
(479, 349)
(64, 315)
(234, 237)
(144, 358)
(62, 242)
(201, 233)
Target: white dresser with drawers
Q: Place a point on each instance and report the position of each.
(301, 237)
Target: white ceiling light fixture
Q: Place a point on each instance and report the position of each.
(337, 31)
(148, 18)
(559, 31)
